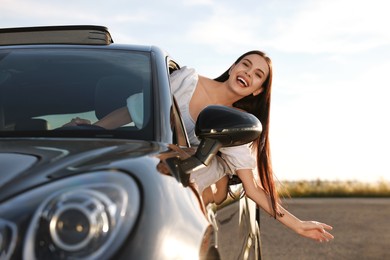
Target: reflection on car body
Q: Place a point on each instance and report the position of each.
(92, 193)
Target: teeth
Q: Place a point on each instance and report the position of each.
(243, 81)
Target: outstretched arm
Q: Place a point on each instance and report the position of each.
(115, 119)
(310, 229)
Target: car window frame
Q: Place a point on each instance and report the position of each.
(180, 136)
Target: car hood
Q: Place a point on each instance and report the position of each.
(31, 162)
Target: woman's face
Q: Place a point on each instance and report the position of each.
(248, 75)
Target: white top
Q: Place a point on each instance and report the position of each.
(183, 84)
(135, 105)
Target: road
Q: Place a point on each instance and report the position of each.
(361, 228)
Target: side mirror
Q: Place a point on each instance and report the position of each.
(227, 125)
(220, 126)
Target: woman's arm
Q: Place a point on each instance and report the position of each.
(115, 119)
(310, 229)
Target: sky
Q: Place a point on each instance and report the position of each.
(329, 110)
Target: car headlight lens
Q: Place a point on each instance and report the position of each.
(83, 222)
(76, 220)
(7, 238)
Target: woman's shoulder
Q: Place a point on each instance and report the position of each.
(184, 79)
(183, 72)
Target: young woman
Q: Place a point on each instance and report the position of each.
(245, 85)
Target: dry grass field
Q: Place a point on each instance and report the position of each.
(328, 189)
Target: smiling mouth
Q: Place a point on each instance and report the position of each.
(243, 82)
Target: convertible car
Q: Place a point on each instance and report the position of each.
(85, 192)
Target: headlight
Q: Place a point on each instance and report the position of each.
(83, 222)
(76, 220)
(7, 238)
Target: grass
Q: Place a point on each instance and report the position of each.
(324, 189)
(332, 189)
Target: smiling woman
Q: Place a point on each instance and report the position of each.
(245, 85)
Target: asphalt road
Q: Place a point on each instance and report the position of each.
(361, 228)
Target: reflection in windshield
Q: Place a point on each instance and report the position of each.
(43, 89)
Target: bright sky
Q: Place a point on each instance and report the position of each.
(329, 116)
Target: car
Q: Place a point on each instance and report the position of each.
(85, 192)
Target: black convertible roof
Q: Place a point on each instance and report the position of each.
(67, 34)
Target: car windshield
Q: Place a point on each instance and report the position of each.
(43, 89)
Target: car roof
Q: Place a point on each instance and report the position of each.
(67, 34)
(75, 36)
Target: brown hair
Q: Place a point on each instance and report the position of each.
(260, 107)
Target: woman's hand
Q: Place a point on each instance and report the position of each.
(315, 230)
(78, 121)
(310, 229)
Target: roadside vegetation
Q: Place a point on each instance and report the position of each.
(332, 189)
(322, 189)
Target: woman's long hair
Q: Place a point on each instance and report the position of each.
(260, 107)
